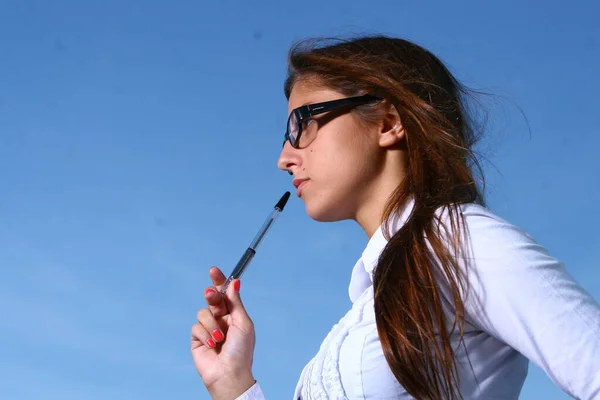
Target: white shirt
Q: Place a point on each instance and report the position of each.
(522, 305)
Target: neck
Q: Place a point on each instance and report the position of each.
(370, 215)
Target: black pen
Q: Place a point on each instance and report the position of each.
(251, 250)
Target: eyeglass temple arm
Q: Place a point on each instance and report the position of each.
(319, 108)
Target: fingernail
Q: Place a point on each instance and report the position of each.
(218, 335)
(210, 343)
(236, 286)
(208, 292)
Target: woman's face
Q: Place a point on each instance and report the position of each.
(335, 174)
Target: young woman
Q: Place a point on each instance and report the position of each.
(449, 300)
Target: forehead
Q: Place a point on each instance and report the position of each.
(307, 92)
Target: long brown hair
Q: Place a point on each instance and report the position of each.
(442, 173)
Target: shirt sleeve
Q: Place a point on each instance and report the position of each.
(254, 393)
(525, 298)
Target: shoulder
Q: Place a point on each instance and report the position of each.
(484, 224)
(504, 267)
(494, 242)
(524, 297)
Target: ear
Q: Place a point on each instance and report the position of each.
(391, 130)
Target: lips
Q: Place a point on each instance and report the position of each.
(299, 183)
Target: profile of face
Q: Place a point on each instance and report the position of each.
(346, 163)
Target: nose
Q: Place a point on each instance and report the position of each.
(289, 159)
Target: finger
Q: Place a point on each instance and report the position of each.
(217, 277)
(215, 302)
(236, 308)
(209, 322)
(201, 337)
(213, 296)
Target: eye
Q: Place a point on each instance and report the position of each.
(309, 131)
(307, 122)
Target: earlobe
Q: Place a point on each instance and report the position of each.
(391, 137)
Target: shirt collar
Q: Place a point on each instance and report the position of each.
(362, 273)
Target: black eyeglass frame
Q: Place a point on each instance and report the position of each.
(310, 110)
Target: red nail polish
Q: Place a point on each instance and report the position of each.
(236, 286)
(208, 291)
(218, 335)
(210, 343)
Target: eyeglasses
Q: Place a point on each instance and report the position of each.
(299, 118)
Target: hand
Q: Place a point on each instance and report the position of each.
(223, 341)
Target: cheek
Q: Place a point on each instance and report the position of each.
(342, 170)
(337, 188)
(342, 165)
(344, 153)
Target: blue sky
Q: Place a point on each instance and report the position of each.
(138, 147)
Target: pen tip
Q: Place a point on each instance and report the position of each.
(282, 202)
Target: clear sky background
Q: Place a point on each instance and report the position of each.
(138, 147)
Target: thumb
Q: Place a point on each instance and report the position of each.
(234, 303)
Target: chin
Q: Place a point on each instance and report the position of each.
(322, 211)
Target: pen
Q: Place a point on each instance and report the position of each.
(251, 250)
